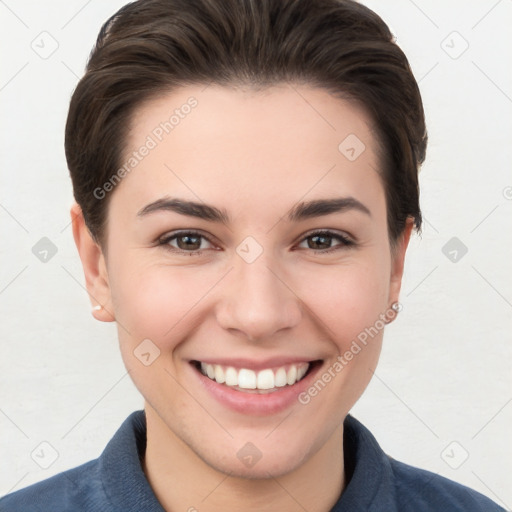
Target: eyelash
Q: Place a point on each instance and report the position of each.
(345, 241)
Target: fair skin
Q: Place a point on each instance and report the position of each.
(254, 155)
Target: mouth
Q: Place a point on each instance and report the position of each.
(262, 381)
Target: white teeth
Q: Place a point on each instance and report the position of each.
(246, 379)
(301, 372)
(291, 376)
(219, 374)
(280, 378)
(265, 379)
(249, 379)
(231, 377)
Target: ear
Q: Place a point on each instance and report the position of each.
(397, 261)
(94, 265)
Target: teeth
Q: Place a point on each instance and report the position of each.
(249, 379)
(280, 378)
(210, 371)
(301, 372)
(231, 377)
(265, 379)
(291, 376)
(219, 374)
(246, 379)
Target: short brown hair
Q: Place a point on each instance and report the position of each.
(150, 47)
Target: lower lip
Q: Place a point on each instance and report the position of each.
(257, 404)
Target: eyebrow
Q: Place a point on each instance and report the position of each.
(301, 211)
(320, 207)
(190, 208)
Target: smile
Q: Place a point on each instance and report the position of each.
(244, 379)
(256, 388)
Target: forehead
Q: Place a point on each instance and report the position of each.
(276, 144)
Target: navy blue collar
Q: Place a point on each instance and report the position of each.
(125, 483)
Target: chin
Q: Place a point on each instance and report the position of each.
(262, 470)
(251, 463)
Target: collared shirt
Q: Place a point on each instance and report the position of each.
(115, 482)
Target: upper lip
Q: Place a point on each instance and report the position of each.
(252, 364)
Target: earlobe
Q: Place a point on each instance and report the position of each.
(93, 263)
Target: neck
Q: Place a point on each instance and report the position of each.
(181, 480)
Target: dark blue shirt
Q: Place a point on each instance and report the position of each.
(116, 482)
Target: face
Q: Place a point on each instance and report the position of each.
(249, 244)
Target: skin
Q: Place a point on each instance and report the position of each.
(271, 149)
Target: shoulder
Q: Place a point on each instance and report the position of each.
(420, 490)
(115, 481)
(379, 483)
(79, 488)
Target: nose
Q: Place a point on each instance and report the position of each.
(257, 301)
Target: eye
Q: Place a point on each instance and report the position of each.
(321, 241)
(190, 242)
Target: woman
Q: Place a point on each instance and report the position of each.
(245, 176)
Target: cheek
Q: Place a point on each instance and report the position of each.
(156, 301)
(348, 298)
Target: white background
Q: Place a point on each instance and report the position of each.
(444, 374)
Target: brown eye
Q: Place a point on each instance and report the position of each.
(319, 242)
(322, 241)
(186, 241)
